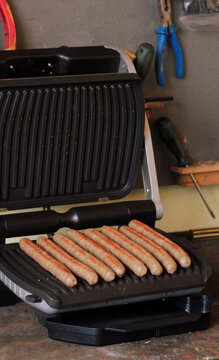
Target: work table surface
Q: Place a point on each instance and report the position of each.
(22, 337)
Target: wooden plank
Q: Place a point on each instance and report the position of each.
(206, 173)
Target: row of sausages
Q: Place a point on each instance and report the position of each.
(106, 253)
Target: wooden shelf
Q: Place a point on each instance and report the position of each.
(206, 173)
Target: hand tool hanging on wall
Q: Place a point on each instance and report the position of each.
(167, 134)
(155, 103)
(164, 31)
(142, 59)
(130, 54)
(8, 25)
(196, 7)
(144, 56)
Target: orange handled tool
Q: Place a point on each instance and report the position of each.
(8, 25)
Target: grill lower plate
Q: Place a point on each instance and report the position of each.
(42, 290)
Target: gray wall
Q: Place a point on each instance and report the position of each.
(127, 23)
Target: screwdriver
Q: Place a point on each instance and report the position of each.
(170, 138)
(144, 56)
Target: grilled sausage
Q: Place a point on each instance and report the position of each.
(48, 262)
(96, 249)
(82, 270)
(159, 253)
(141, 253)
(128, 259)
(84, 256)
(175, 250)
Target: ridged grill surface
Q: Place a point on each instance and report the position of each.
(68, 140)
(27, 274)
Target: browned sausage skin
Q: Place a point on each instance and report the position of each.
(137, 250)
(96, 249)
(84, 256)
(126, 257)
(47, 262)
(74, 265)
(159, 253)
(175, 250)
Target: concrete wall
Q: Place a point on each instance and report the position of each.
(126, 23)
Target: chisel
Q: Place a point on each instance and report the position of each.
(169, 136)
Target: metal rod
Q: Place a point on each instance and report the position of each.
(200, 193)
(158, 99)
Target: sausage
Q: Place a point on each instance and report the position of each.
(84, 256)
(48, 262)
(175, 250)
(159, 253)
(141, 253)
(82, 270)
(96, 249)
(128, 259)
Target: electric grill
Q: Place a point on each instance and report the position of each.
(73, 130)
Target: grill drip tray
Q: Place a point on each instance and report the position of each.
(130, 322)
(43, 291)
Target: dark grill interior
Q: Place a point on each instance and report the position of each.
(68, 140)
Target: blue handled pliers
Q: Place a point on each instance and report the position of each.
(164, 31)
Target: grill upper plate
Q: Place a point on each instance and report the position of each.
(76, 139)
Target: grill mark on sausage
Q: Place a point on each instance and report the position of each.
(84, 256)
(162, 255)
(126, 258)
(175, 250)
(70, 262)
(140, 252)
(152, 232)
(48, 262)
(98, 250)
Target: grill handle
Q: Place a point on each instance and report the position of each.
(49, 221)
